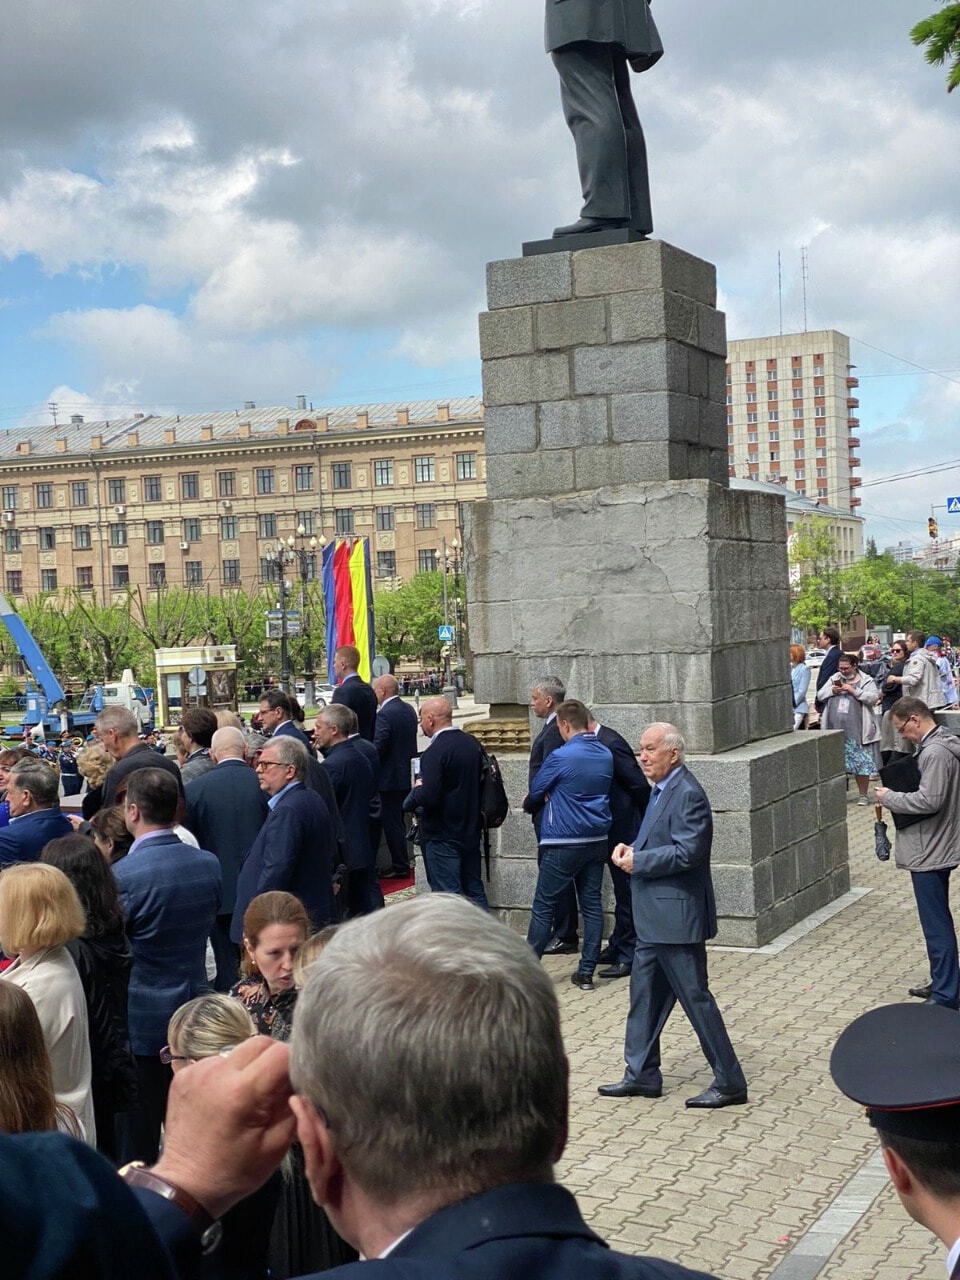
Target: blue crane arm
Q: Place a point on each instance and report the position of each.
(31, 653)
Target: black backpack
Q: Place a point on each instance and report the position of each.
(494, 805)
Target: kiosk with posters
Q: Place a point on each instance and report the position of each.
(195, 676)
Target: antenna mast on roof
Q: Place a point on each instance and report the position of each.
(803, 275)
(53, 406)
(780, 290)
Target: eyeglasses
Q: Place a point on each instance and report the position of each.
(265, 764)
(167, 1056)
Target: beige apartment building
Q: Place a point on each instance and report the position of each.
(791, 415)
(201, 500)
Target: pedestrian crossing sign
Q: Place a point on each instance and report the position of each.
(953, 506)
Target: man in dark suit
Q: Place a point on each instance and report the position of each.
(593, 44)
(447, 798)
(275, 717)
(355, 781)
(496, 1212)
(674, 913)
(545, 696)
(296, 847)
(395, 738)
(353, 692)
(170, 894)
(33, 795)
(629, 793)
(226, 808)
(117, 729)
(830, 640)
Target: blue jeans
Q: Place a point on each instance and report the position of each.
(560, 866)
(453, 868)
(932, 892)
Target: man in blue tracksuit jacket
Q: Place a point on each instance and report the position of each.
(574, 784)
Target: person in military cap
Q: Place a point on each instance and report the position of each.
(902, 1062)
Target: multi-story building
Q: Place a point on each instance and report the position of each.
(202, 500)
(902, 552)
(790, 415)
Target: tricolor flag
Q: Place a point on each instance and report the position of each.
(348, 599)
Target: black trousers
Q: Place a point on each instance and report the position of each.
(602, 116)
(225, 952)
(138, 1132)
(394, 830)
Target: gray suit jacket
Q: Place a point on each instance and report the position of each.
(672, 890)
(627, 23)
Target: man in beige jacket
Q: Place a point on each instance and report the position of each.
(921, 675)
(930, 848)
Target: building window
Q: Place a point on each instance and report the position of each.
(466, 466)
(343, 517)
(423, 470)
(751, 397)
(426, 560)
(85, 577)
(384, 519)
(231, 573)
(265, 479)
(386, 564)
(44, 496)
(121, 576)
(798, 411)
(81, 537)
(152, 489)
(821, 473)
(772, 393)
(752, 415)
(227, 484)
(341, 475)
(798, 455)
(11, 497)
(158, 575)
(774, 455)
(191, 530)
(307, 520)
(382, 471)
(79, 494)
(154, 532)
(118, 535)
(820, 411)
(426, 515)
(11, 540)
(190, 485)
(269, 569)
(117, 490)
(47, 538)
(773, 415)
(303, 478)
(822, 451)
(752, 437)
(229, 526)
(310, 564)
(798, 433)
(48, 579)
(193, 572)
(774, 433)
(14, 582)
(267, 526)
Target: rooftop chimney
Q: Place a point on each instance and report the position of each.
(133, 439)
(169, 435)
(363, 418)
(61, 444)
(206, 433)
(302, 403)
(138, 415)
(243, 431)
(443, 413)
(403, 417)
(249, 404)
(76, 419)
(283, 426)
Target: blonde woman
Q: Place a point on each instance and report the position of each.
(39, 913)
(93, 762)
(203, 1027)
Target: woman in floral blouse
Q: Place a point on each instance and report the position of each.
(275, 927)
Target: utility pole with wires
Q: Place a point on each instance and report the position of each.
(53, 407)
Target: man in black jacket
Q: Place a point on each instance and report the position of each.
(545, 696)
(117, 729)
(830, 640)
(354, 692)
(447, 797)
(354, 779)
(395, 738)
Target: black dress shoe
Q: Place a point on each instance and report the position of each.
(582, 980)
(557, 947)
(584, 226)
(713, 1098)
(922, 993)
(607, 956)
(397, 873)
(616, 971)
(626, 1089)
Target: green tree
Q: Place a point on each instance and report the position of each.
(940, 34)
(813, 560)
(871, 552)
(872, 587)
(406, 620)
(106, 637)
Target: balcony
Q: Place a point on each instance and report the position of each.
(855, 481)
(853, 382)
(853, 423)
(855, 502)
(853, 402)
(854, 462)
(853, 441)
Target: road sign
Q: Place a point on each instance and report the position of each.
(953, 506)
(445, 634)
(197, 676)
(380, 666)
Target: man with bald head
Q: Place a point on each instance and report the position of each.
(674, 913)
(447, 799)
(225, 810)
(395, 738)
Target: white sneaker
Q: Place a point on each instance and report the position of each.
(863, 800)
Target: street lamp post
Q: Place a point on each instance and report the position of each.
(279, 561)
(306, 556)
(449, 691)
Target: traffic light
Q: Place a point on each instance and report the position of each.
(932, 526)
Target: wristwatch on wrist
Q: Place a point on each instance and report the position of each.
(138, 1175)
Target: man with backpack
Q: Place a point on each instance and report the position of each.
(447, 798)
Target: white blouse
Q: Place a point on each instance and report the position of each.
(51, 981)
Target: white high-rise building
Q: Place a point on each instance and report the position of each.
(790, 407)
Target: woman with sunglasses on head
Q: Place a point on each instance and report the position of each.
(892, 745)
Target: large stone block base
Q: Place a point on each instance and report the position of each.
(779, 845)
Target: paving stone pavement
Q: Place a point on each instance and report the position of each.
(733, 1192)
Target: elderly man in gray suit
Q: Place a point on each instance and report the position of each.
(593, 44)
(674, 912)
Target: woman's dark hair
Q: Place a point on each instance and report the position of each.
(83, 864)
(27, 1103)
(852, 658)
(13, 755)
(109, 825)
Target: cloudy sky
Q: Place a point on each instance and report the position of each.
(208, 202)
